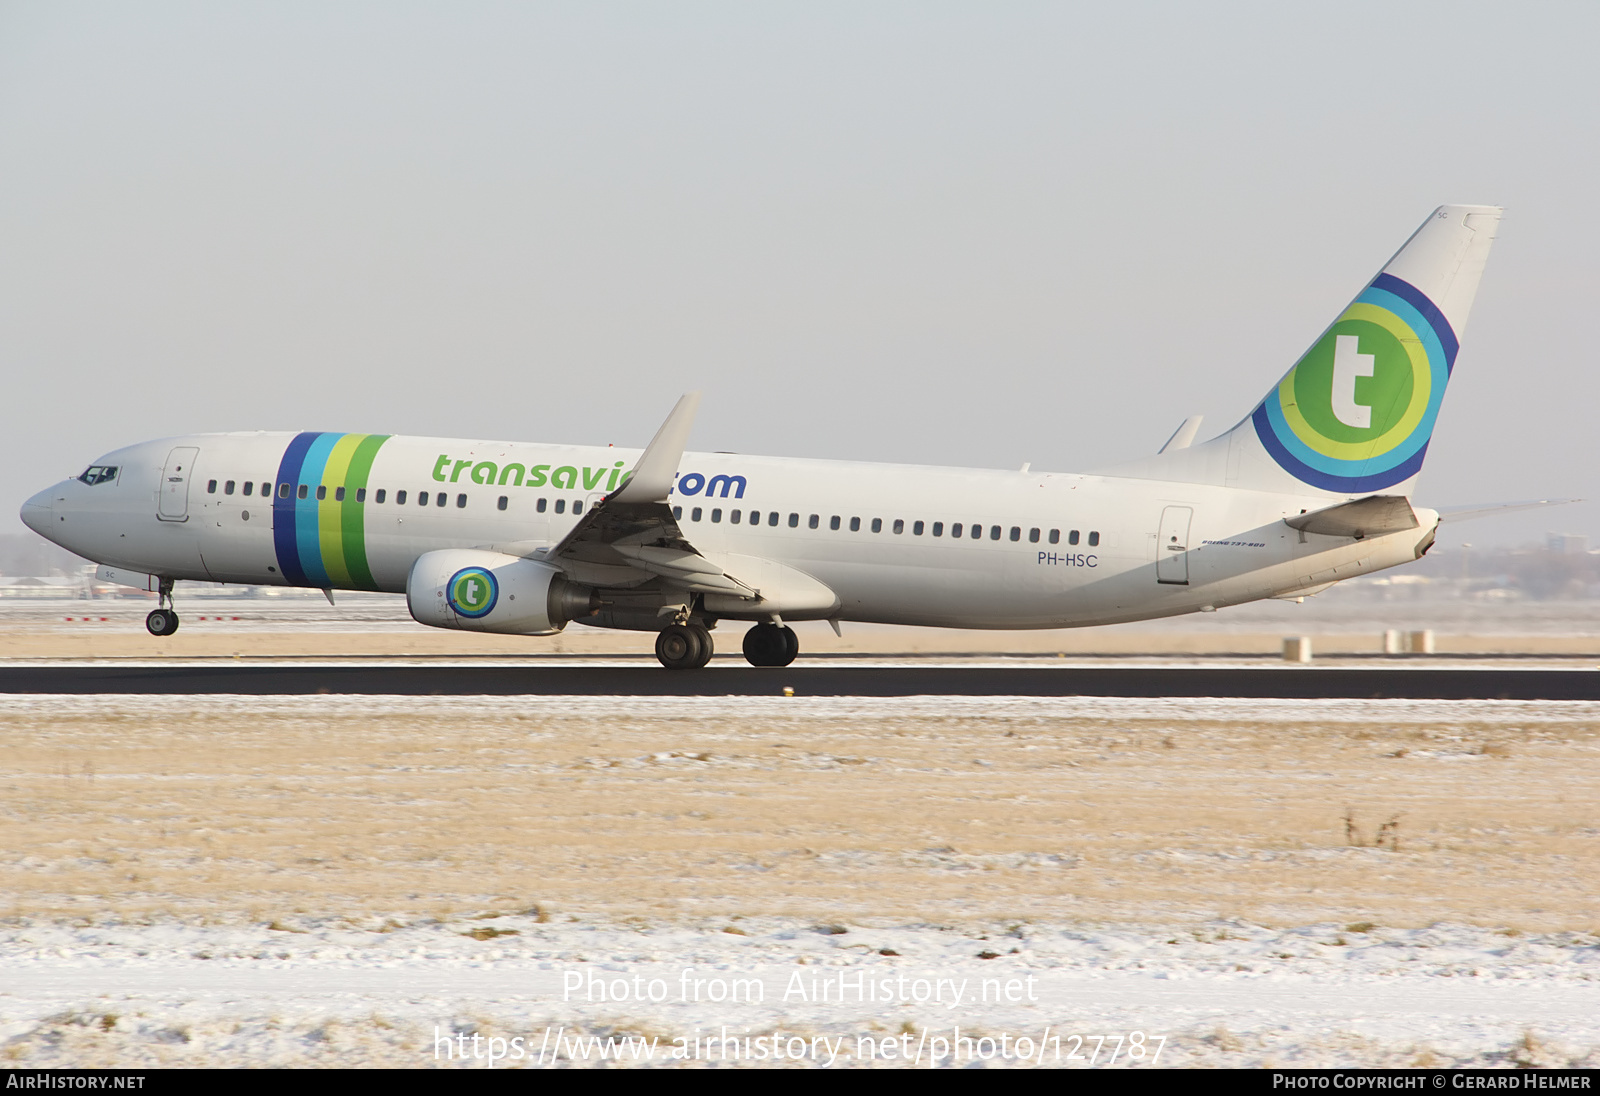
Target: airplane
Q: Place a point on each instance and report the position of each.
(1312, 487)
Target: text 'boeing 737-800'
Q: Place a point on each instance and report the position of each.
(1313, 486)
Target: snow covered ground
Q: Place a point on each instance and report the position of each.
(961, 881)
(576, 992)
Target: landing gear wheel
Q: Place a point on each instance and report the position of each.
(771, 645)
(684, 647)
(161, 622)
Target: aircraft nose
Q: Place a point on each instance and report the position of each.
(36, 512)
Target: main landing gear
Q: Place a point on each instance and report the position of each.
(163, 621)
(688, 646)
(684, 646)
(771, 645)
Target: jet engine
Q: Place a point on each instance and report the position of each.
(482, 591)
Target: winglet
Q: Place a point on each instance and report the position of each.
(653, 475)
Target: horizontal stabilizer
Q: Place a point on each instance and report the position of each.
(1374, 515)
(1184, 435)
(1494, 509)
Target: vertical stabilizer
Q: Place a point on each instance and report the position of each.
(1355, 414)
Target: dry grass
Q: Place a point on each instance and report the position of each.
(930, 809)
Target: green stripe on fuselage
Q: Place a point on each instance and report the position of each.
(353, 519)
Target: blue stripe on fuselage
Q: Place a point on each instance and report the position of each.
(284, 541)
(308, 536)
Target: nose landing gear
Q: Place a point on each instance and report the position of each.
(163, 621)
(684, 646)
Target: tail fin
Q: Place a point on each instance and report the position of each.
(1355, 414)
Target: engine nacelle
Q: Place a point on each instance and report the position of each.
(492, 592)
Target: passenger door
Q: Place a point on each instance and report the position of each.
(1172, 546)
(173, 502)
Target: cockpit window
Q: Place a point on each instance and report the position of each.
(99, 473)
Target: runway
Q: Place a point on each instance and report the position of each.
(478, 679)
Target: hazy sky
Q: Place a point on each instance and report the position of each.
(943, 233)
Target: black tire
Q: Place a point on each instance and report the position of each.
(702, 636)
(161, 622)
(770, 645)
(680, 647)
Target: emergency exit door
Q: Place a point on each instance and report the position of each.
(1172, 546)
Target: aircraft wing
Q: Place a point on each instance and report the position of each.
(630, 536)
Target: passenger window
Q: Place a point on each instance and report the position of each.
(338, 494)
(322, 491)
(1072, 537)
(716, 516)
(694, 515)
(461, 502)
(248, 484)
(755, 517)
(1016, 532)
(361, 494)
(994, 532)
(899, 526)
(955, 530)
(813, 521)
(1094, 540)
(833, 523)
(577, 506)
(399, 498)
(561, 506)
(733, 517)
(877, 525)
(443, 499)
(503, 502)
(304, 491)
(211, 488)
(540, 505)
(794, 521)
(938, 528)
(1033, 536)
(1055, 536)
(772, 518)
(916, 530)
(380, 496)
(855, 525)
(227, 488)
(677, 512)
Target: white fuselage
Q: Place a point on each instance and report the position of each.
(1055, 550)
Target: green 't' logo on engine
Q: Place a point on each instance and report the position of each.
(472, 592)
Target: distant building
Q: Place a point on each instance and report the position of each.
(1567, 544)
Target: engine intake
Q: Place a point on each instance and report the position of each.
(480, 591)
